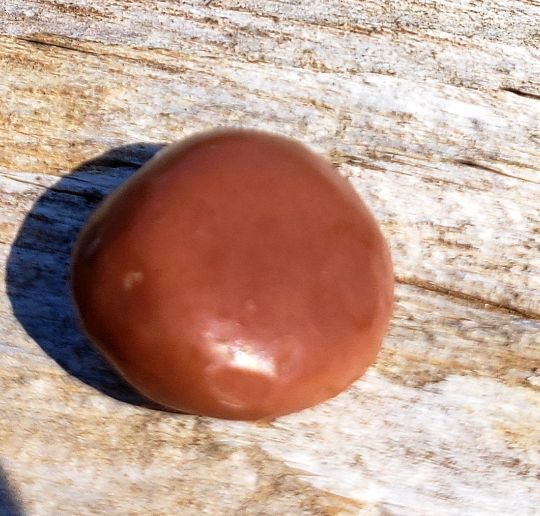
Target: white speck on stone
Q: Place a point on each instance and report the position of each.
(132, 278)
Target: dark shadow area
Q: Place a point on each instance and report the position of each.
(9, 505)
(38, 266)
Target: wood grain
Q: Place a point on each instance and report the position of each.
(431, 108)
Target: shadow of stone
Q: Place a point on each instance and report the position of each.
(38, 266)
(9, 505)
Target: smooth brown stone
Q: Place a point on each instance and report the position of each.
(236, 275)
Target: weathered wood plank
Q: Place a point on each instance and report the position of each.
(419, 156)
(432, 109)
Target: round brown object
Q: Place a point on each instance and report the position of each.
(236, 275)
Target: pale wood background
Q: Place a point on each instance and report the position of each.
(431, 107)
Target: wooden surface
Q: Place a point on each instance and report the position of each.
(432, 108)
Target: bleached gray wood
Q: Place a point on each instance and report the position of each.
(432, 109)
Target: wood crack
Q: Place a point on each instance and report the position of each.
(45, 43)
(479, 166)
(522, 93)
(477, 301)
(89, 196)
(23, 181)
